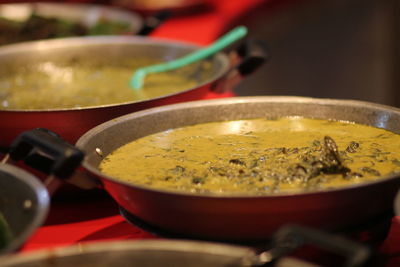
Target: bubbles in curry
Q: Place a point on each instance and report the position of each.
(48, 85)
(257, 156)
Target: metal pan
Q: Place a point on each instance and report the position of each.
(71, 123)
(237, 217)
(195, 253)
(86, 15)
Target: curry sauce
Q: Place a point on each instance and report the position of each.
(258, 156)
(48, 85)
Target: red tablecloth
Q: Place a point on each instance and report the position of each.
(72, 222)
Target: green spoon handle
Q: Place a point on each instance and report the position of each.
(221, 43)
(200, 54)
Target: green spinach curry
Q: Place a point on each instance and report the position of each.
(5, 233)
(37, 27)
(257, 157)
(49, 85)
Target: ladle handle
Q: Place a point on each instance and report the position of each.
(249, 56)
(152, 22)
(47, 152)
(253, 54)
(291, 237)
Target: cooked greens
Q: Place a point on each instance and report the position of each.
(258, 156)
(38, 27)
(48, 85)
(5, 233)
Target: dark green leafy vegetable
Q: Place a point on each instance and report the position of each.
(258, 156)
(37, 27)
(5, 233)
(105, 27)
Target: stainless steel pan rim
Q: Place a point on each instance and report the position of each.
(39, 203)
(45, 46)
(186, 252)
(382, 112)
(106, 252)
(84, 13)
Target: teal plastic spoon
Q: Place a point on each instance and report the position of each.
(137, 80)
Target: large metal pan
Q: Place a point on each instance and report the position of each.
(240, 217)
(87, 15)
(195, 253)
(71, 123)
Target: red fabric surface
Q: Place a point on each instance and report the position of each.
(203, 27)
(71, 222)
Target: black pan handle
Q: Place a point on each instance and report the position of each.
(47, 152)
(290, 237)
(249, 56)
(153, 22)
(253, 54)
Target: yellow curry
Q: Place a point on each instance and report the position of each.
(257, 156)
(54, 86)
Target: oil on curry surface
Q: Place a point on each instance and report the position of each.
(50, 85)
(257, 157)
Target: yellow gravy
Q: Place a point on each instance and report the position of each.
(52, 86)
(257, 156)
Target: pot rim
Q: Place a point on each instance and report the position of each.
(17, 11)
(43, 204)
(179, 245)
(232, 101)
(43, 45)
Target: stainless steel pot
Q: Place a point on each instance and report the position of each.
(240, 217)
(86, 14)
(71, 123)
(137, 253)
(194, 253)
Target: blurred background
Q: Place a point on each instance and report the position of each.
(336, 49)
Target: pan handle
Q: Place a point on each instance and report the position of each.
(152, 22)
(249, 56)
(291, 236)
(252, 53)
(48, 153)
